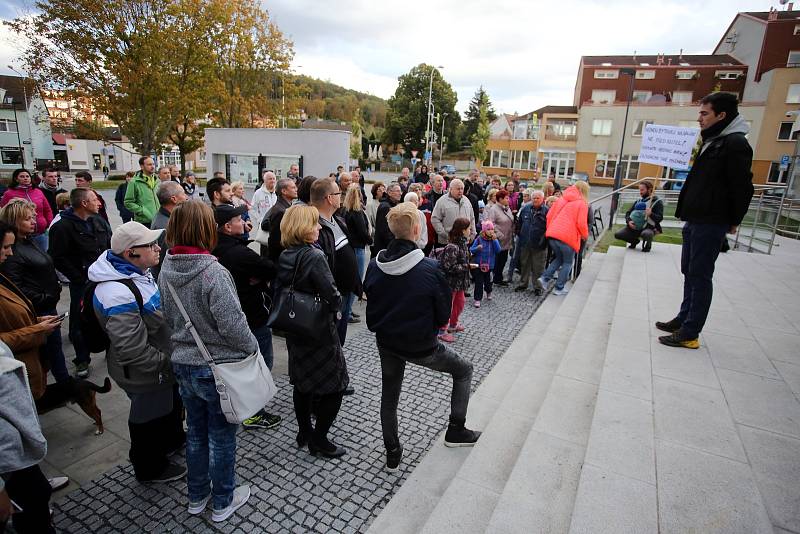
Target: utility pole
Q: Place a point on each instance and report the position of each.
(430, 117)
(441, 140)
(617, 172)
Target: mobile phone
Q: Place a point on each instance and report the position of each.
(63, 316)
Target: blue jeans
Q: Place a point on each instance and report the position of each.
(347, 307)
(55, 353)
(210, 439)
(563, 255)
(82, 354)
(701, 246)
(361, 260)
(264, 338)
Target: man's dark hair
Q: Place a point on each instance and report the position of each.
(86, 175)
(457, 231)
(143, 159)
(49, 169)
(282, 185)
(214, 185)
(304, 189)
(321, 189)
(78, 195)
(722, 101)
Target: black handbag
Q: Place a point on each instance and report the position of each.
(297, 312)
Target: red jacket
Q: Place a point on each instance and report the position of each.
(44, 215)
(567, 219)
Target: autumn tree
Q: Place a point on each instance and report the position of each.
(480, 139)
(472, 115)
(406, 117)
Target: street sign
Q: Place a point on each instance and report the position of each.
(414, 153)
(785, 160)
(28, 142)
(427, 155)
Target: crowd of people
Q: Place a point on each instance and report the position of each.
(431, 238)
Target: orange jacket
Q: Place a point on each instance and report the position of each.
(567, 219)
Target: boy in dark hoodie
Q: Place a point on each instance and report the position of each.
(408, 293)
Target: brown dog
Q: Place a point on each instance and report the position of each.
(77, 391)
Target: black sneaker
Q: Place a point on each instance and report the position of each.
(349, 390)
(460, 436)
(676, 340)
(353, 320)
(354, 314)
(633, 245)
(262, 420)
(82, 370)
(393, 459)
(670, 326)
(520, 288)
(502, 283)
(172, 472)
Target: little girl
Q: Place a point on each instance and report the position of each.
(454, 263)
(484, 250)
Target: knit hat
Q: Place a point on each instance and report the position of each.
(481, 204)
(487, 225)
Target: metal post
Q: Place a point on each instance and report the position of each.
(283, 101)
(428, 121)
(19, 139)
(617, 176)
(755, 221)
(441, 142)
(28, 116)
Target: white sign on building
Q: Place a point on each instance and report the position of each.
(668, 146)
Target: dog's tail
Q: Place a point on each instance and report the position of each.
(105, 388)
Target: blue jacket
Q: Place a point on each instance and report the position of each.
(532, 226)
(487, 253)
(408, 299)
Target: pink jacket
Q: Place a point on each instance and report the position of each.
(44, 215)
(567, 219)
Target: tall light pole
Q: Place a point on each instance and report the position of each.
(617, 172)
(430, 117)
(27, 115)
(441, 140)
(19, 139)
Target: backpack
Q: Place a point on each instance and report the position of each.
(94, 336)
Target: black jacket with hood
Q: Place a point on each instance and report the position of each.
(408, 299)
(720, 184)
(75, 244)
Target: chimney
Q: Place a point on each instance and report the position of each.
(634, 56)
(660, 59)
(681, 54)
(773, 14)
(790, 6)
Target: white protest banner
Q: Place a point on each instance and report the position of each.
(668, 146)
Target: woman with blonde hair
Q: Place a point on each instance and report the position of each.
(207, 290)
(317, 369)
(567, 226)
(358, 225)
(32, 270)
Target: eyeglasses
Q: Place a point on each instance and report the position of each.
(332, 194)
(151, 246)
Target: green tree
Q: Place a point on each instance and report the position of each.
(472, 115)
(406, 116)
(480, 139)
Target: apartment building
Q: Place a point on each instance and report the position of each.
(25, 134)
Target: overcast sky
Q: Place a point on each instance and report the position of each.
(524, 52)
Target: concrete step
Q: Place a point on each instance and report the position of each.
(539, 493)
(529, 356)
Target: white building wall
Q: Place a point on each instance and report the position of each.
(749, 36)
(80, 155)
(322, 150)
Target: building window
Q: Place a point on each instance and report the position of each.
(630, 167)
(499, 158)
(642, 96)
(682, 97)
(794, 59)
(10, 155)
(638, 127)
(785, 132)
(526, 129)
(728, 74)
(562, 164)
(792, 96)
(685, 74)
(7, 125)
(602, 96)
(602, 126)
(645, 74)
(523, 160)
(606, 74)
(561, 130)
(775, 176)
(605, 165)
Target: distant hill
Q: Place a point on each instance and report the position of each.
(326, 100)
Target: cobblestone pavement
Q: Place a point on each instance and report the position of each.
(291, 490)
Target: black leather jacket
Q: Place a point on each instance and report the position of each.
(313, 274)
(33, 272)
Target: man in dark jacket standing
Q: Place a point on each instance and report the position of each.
(286, 190)
(76, 241)
(713, 202)
(408, 293)
(251, 273)
(119, 199)
(531, 242)
(50, 188)
(382, 232)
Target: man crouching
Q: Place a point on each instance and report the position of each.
(407, 293)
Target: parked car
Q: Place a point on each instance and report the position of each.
(449, 169)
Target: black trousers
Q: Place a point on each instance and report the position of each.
(325, 407)
(500, 265)
(30, 489)
(152, 441)
(629, 235)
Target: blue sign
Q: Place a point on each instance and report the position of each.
(785, 160)
(427, 155)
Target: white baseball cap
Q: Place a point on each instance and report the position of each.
(132, 234)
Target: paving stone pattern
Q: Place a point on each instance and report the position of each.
(293, 491)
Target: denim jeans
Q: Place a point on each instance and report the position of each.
(341, 326)
(264, 338)
(393, 366)
(701, 246)
(210, 439)
(361, 260)
(483, 280)
(563, 255)
(82, 354)
(55, 353)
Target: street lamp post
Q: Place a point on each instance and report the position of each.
(441, 140)
(16, 125)
(617, 172)
(27, 114)
(430, 117)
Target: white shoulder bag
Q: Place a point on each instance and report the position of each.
(244, 387)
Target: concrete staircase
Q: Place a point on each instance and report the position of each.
(590, 425)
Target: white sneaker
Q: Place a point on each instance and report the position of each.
(196, 508)
(542, 282)
(240, 496)
(560, 291)
(57, 483)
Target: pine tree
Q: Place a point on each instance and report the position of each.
(480, 139)
(472, 115)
